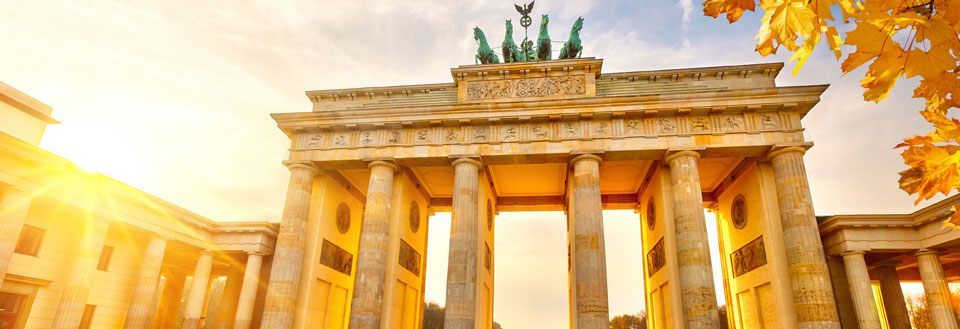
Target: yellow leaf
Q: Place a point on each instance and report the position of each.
(933, 169)
(802, 54)
(929, 65)
(870, 41)
(938, 87)
(783, 22)
(733, 8)
(882, 75)
(834, 40)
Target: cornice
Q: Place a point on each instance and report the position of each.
(768, 69)
(808, 95)
(25, 103)
(269, 228)
(370, 92)
(938, 211)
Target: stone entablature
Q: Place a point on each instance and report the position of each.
(119, 202)
(923, 229)
(748, 112)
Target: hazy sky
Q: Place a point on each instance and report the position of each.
(173, 97)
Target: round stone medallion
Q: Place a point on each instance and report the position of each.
(343, 218)
(414, 217)
(738, 212)
(489, 215)
(651, 214)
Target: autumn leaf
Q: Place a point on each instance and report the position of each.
(911, 39)
(733, 8)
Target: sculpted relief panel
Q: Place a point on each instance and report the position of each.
(526, 88)
(526, 131)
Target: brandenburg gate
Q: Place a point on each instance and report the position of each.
(369, 165)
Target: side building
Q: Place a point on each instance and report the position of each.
(82, 250)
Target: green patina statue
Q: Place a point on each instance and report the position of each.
(573, 48)
(485, 55)
(527, 52)
(543, 41)
(511, 54)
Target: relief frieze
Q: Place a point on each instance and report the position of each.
(409, 258)
(526, 88)
(749, 257)
(332, 256)
(656, 258)
(540, 131)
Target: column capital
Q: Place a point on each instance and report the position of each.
(255, 253)
(383, 163)
(587, 156)
(162, 237)
(892, 263)
(472, 161)
(673, 154)
(852, 253)
(779, 150)
(924, 252)
(302, 166)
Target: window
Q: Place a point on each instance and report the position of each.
(11, 309)
(30, 239)
(87, 318)
(105, 255)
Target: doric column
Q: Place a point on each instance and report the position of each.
(860, 290)
(141, 305)
(461, 305)
(248, 291)
(281, 299)
(935, 287)
(77, 287)
(892, 295)
(365, 312)
(193, 311)
(590, 264)
(693, 248)
(809, 276)
(14, 207)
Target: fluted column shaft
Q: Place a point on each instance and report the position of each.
(13, 212)
(248, 291)
(590, 264)
(76, 289)
(936, 289)
(365, 312)
(193, 311)
(141, 305)
(693, 247)
(461, 304)
(281, 300)
(892, 294)
(809, 276)
(860, 290)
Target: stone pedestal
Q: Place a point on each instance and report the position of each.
(590, 265)
(810, 278)
(248, 291)
(860, 290)
(693, 247)
(14, 207)
(281, 299)
(462, 266)
(892, 294)
(77, 287)
(936, 290)
(365, 311)
(138, 313)
(193, 311)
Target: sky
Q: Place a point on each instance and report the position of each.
(173, 97)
